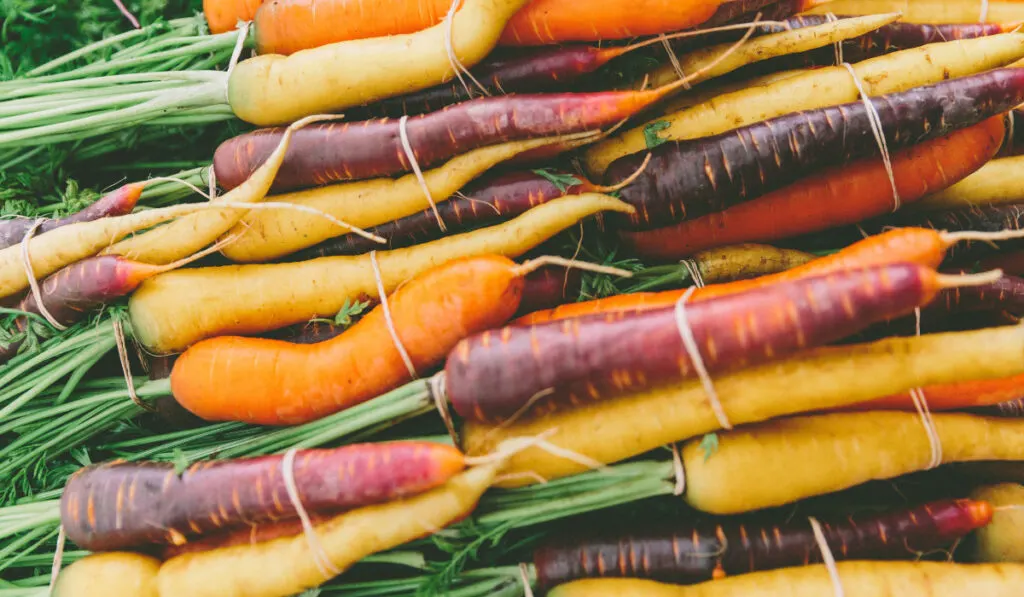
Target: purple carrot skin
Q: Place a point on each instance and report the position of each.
(486, 201)
(694, 554)
(324, 153)
(1004, 294)
(493, 375)
(548, 287)
(1011, 409)
(116, 203)
(123, 505)
(689, 179)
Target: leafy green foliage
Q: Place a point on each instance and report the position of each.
(561, 180)
(651, 136)
(346, 316)
(709, 445)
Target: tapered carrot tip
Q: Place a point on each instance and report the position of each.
(448, 460)
(979, 512)
(1010, 27)
(130, 193)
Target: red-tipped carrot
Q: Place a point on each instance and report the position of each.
(954, 396)
(688, 554)
(119, 202)
(833, 198)
(487, 201)
(123, 504)
(923, 246)
(493, 375)
(689, 179)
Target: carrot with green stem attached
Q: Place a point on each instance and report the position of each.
(282, 294)
(689, 179)
(819, 88)
(493, 375)
(618, 428)
(123, 505)
(859, 579)
(845, 195)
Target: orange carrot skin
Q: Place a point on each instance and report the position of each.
(237, 379)
(325, 153)
(493, 375)
(122, 504)
(224, 15)
(554, 21)
(910, 245)
(956, 396)
(833, 198)
(689, 554)
(119, 202)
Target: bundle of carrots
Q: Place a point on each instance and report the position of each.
(747, 257)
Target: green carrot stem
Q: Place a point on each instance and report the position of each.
(64, 367)
(108, 82)
(17, 106)
(48, 114)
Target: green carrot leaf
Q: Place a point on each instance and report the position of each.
(709, 445)
(349, 311)
(180, 461)
(560, 179)
(651, 131)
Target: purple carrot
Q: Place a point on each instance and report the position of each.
(1010, 409)
(1004, 294)
(549, 287)
(690, 554)
(124, 504)
(486, 201)
(689, 179)
(493, 375)
(119, 202)
(324, 153)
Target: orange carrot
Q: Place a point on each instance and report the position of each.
(833, 198)
(955, 396)
(271, 382)
(923, 246)
(224, 15)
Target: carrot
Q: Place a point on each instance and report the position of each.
(618, 428)
(287, 565)
(550, 21)
(119, 202)
(953, 396)
(117, 574)
(689, 179)
(493, 375)
(1015, 140)
(491, 200)
(933, 11)
(923, 246)
(1004, 294)
(173, 310)
(746, 261)
(1000, 540)
(311, 332)
(250, 535)
(1011, 262)
(175, 241)
(261, 90)
(548, 287)
(832, 198)
(720, 87)
(859, 579)
(835, 451)
(224, 15)
(273, 234)
(374, 148)
(693, 553)
(232, 378)
(1011, 408)
(996, 183)
(168, 507)
(819, 88)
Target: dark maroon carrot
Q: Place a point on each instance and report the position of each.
(250, 535)
(484, 202)
(119, 202)
(689, 179)
(493, 375)
(548, 287)
(122, 504)
(690, 554)
(1011, 408)
(1004, 294)
(320, 154)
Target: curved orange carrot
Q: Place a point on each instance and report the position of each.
(910, 245)
(224, 15)
(833, 198)
(956, 396)
(271, 382)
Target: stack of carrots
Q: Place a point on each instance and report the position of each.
(810, 232)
